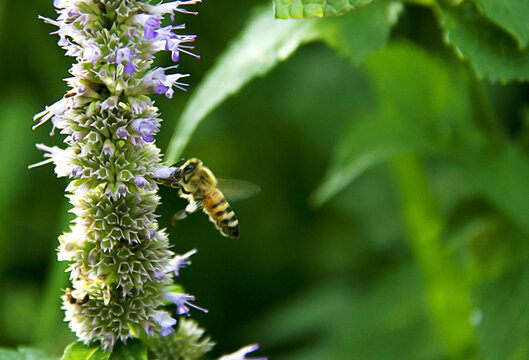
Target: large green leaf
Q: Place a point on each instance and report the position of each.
(493, 53)
(512, 15)
(286, 9)
(263, 43)
(421, 107)
(23, 353)
(80, 351)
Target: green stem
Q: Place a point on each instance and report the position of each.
(447, 290)
(484, 112)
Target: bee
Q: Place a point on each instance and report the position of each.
(72, 300)
(197, 184)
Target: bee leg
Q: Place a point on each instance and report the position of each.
(182, 214)
(194, 206)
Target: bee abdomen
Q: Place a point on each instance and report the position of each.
(221, 214)
(229, 226)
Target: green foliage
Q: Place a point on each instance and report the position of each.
(399, 124)
(500, 177)
(505, 320)
(296, 9)
(359, 34)
(388, 321)
(80, 351)
(493, 53)
(511, 15)
(261, 45)
(266, 42)
(23, 353)
(133, 350)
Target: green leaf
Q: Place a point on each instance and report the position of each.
(80, 351)
(387, 320)
(512, 15)
(420, 108)
(263, 44)
(501, 177)
(359, 34)
(297, 9)
(503, 316)
(23, 353)
(133, 350)
(493, 54)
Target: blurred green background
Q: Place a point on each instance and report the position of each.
(422, 256)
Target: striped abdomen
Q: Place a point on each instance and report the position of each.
(220, 213)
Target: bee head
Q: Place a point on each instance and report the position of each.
(188, 167)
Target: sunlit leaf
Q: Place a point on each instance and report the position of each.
(512, 15)
(421, 108)
(493, 53)
(285, 9)
(262, 44)
(23, 353)
(80, 351)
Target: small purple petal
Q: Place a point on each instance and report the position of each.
(181, 261)
(165, 321)
(140, 181)
(129, 68)
(164, 172)
(182, 301)
(122, 133)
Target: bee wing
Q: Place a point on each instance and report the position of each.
(235, 190)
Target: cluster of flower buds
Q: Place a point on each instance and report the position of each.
(120, 265)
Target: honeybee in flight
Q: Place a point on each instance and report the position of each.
(198, 185)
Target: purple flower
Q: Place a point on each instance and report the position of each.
(181, 261)
(241, 354)
(140, 181)
(146, 128)
(165, 321)
(122, 133)
(161, 83)
(150, 24)
(164, 172)
(169, 41)
(171, 7)
(182, 301)
(126, 55)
